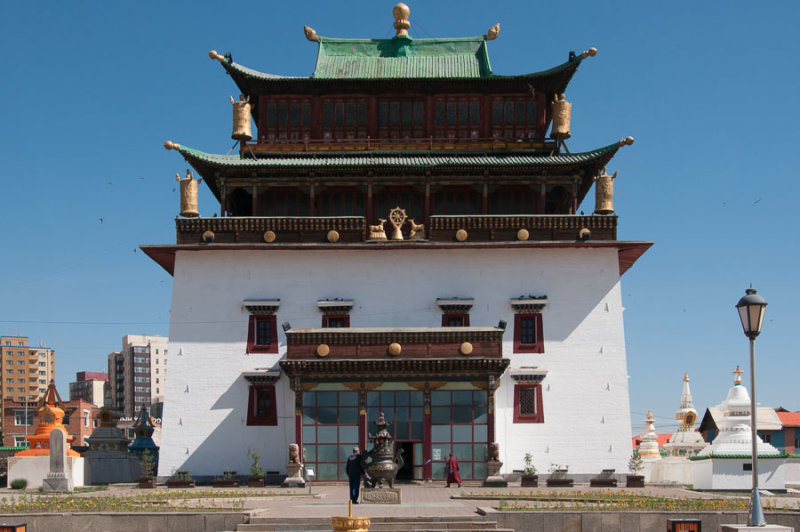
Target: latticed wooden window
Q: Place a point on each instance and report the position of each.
(528, 337)
(263, 332)
(527, 402)
(261, 408)
(527, 330)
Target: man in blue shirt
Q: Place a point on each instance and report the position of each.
(354, 469)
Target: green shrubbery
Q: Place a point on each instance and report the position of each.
(19, 484)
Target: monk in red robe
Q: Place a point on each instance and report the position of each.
(453, 476)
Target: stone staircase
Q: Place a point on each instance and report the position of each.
(378, 524)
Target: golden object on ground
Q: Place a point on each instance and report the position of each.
(323, 350)
(461, 235)
(401, 23)
(188, 194)
(333, 236)
(493, 32)
(415, 228)
(604, 193)
(397, 217)
(465, 348)
(395, 349)
(376, 232)
(208, 237)
(270, 236)
(562, 116)
(350, 523)
(311, 35)
(523, 234)
(241, 119)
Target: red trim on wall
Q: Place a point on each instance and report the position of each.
(427, 452)
(272, 347)
(538, 417)
(538, 345)
(271, 418)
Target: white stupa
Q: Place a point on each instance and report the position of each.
(686, 441)
(726, 463)
(734, 437)
(648, 448)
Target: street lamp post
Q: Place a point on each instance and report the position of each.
(751, 312)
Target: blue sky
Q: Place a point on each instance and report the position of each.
(91, 90)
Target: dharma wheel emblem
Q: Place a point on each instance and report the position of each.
(397, 217)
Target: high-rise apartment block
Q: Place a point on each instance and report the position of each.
(137, 372)
(26, 369)
(89, 386)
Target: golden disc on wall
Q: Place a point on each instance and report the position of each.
(465, 349)
(523, 234)
(323, 350)
(395, 349)
(461, 235)
(333, 236)
(269, 236)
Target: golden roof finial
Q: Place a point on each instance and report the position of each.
(493, 32)
(686, 376)
(311, 35)
(401, 23)
(738, 372)
(650, 415)
(214, 55)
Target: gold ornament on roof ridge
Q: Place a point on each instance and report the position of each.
(401, 23)
(311, 35)
(493, 32)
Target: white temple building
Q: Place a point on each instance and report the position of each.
(725, 464)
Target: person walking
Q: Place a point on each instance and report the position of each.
(354, 469)
(453, 474)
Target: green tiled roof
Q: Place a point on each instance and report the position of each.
(401, 159)
(402, 57)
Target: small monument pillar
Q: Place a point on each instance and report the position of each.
(294, 468)
(493, 477)
(56, 479)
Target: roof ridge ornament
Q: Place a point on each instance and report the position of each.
(627, 141)
(311, 35)
(493, 32)
(590, 52)
(401, 23)
(214, 55)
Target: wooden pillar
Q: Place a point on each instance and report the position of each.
(485, 202)
(362, 417)
(312, 201)
(223, 204)
(427, 453)
(574, 205)
(543, 199)
(370, 215)
(254, 205)
(298, 414)
(490, 409)
(427, 205)
(541, 116)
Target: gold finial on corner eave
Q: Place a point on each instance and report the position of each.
(493, 32)
(169, 145)
(590, 52)
(627, 141)
(311, 35)
(214, 55)
(401, 23)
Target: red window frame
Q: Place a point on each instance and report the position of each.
(526, 346)
(463, 316)
(269, 321)
(268, 417)
(527, 417)
(333, 320)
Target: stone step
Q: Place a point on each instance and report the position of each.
(378, 524)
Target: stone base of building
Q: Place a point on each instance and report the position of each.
(765, 528)
(493, 477)
(35, 469)
(380, 495)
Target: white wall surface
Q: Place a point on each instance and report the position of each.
(729, 474)
(34, 469)
(585, 394)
